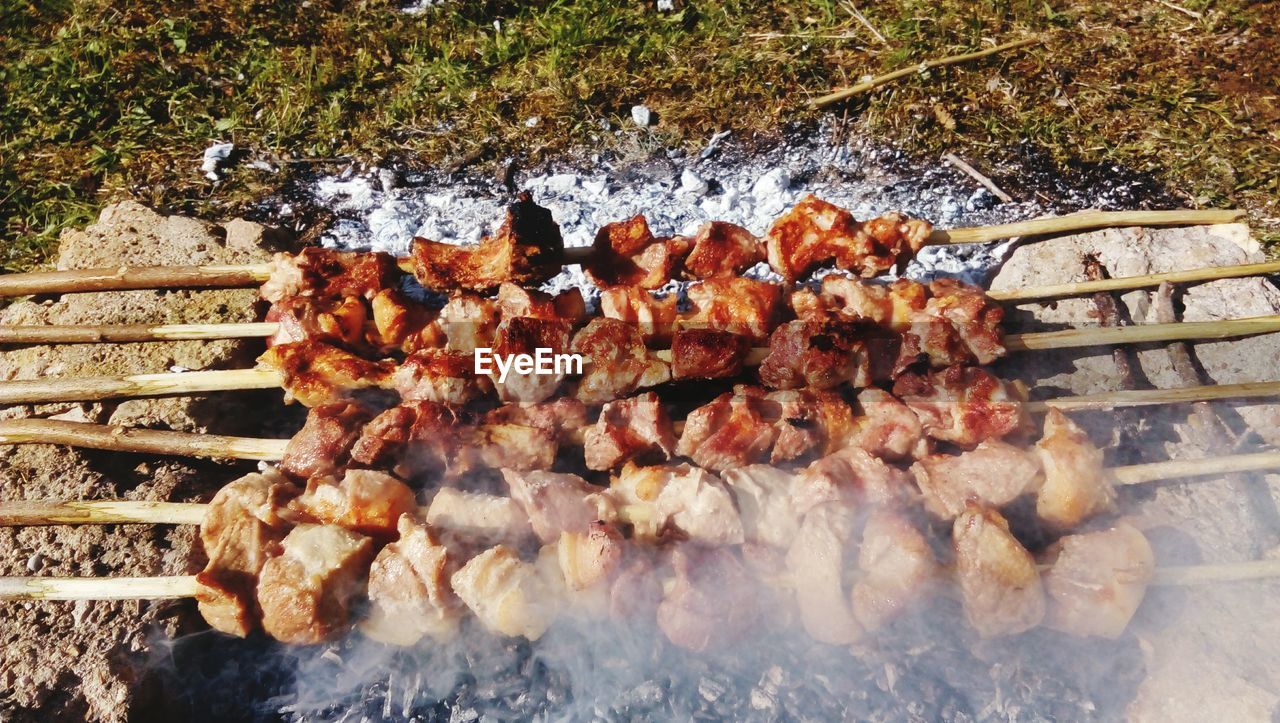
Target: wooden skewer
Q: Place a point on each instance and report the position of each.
(184, 586)
(188, 444)
(174, 277)
(82, 334)
(84, 389)
(111, 512)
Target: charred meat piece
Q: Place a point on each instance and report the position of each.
(815, 232)
(1076, 486)
(626, 253)
(401, 324)
(315, 373)
(815, 355)
(707, 354)
(851, 477)
(687, 500)
(616, 362)
(654, 317)
(365, 501)
(897, 566)
(326, 439)
(306, 590)
(722, 250)
(414, 438)
(713, 601)
(339, 321)
(558, 503)
(963, 405)
(743, 306)
(329, 274)
(507, 595)
(765, 502)
(809, 423)
(518, 301)
(816, 563)
(469, 321)
(999, 584)
(476, 518)
(635, 428)
(730, 431)
(561, 417)
(239, 531)
(525, 336)
(527, 250)
(992, 475)
(975, 318)
(409, 593)
(1097, 580)
(441, 376)
(887, 428)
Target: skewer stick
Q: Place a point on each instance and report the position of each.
(127, 278)
(84, 389)
(97, 588)
(83, 334)
(188, 444)
(122, 333)
(115, 438)
(1174, 469)
(183, 586)
(1128, 283)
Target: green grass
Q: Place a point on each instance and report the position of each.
(107, 100)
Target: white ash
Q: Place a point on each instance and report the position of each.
(214, 156)
(678, 191)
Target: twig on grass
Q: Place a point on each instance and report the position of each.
(973, 173)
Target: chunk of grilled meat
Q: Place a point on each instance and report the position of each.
(809, 423)
(401, 324)
(616, 362)
(636, 428)
(743, 306)
(561, 417)
(852, 478)
(766, 504)
(507, 595)
(364, 501)
(626, 253)
(1097, 580)
(814, 233)
(963, 405)
(592, 557)
(818, 355)
(712, 602)
(708, 354)
(975, 318)
(886, 427)
(526, 335)
(470, 519)
(409, 593)
(324, 443)
(339, 321)
(732, 430)
(526, 250)
(999, 584)
(678, 498)
(722, 250)
(314, 373)
(441, 376)
(898, 569)
(1076, 486)
(424, 438)
(469, 321)
(240, 530)
(891, 306)
(329, 274)
(992, 475)
(306, 590)
(816, 562)
(518, 301)
(654, 317)
(558, 503)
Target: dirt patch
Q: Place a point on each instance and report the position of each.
(67, 661)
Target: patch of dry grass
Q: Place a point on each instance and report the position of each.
(104, 100)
